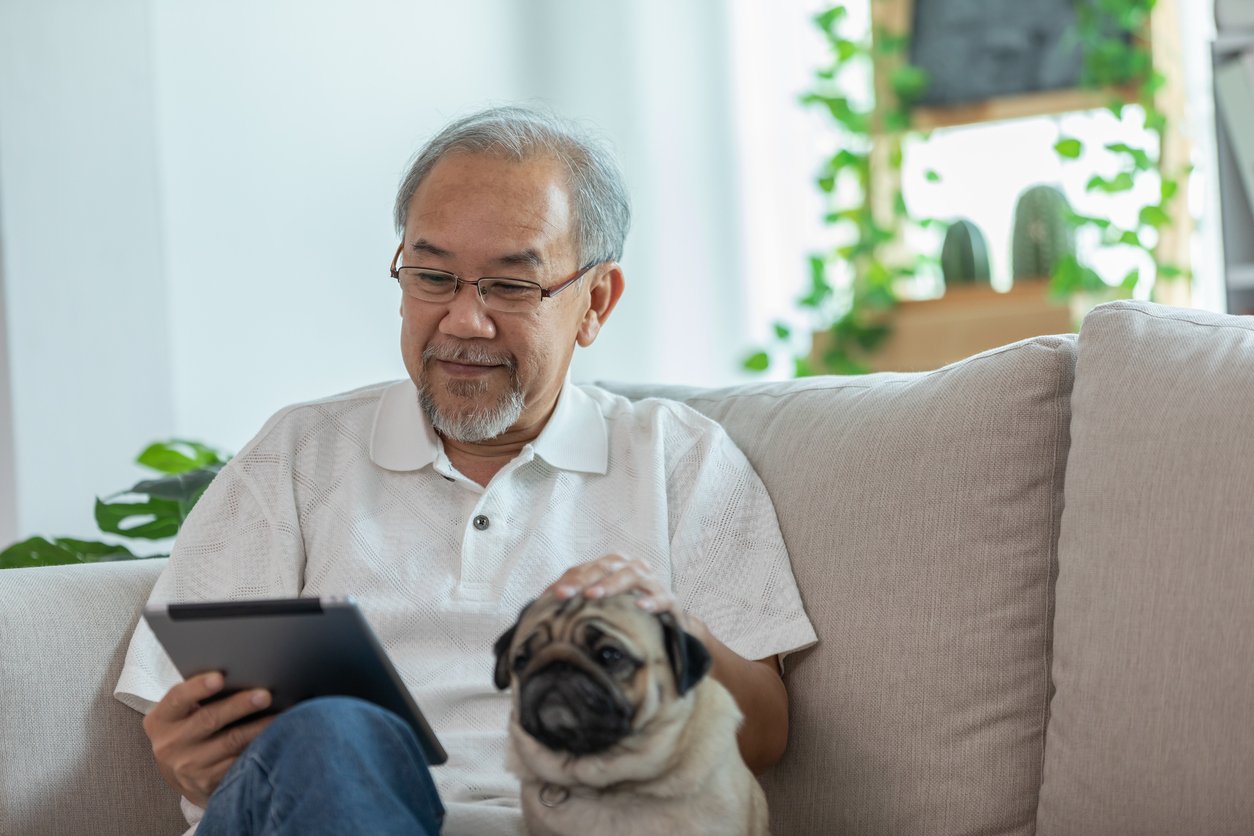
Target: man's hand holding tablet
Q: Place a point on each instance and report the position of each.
(241, 659)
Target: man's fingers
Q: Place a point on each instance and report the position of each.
(622, 580)
(229, 743)
(578, 578)
(184, 699)
(217, 715)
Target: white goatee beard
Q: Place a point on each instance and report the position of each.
(472, 425)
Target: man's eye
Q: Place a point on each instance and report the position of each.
(511, 290)
(435, 280)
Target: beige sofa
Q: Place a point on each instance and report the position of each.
(1032, 573)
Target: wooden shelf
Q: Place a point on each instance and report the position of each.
(1014, 107)
(968, 319)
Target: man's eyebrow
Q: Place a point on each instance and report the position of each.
(422, 245)
(525, 258)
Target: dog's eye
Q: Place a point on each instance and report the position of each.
(520, 661)
(609, 655)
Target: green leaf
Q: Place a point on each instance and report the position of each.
(1121, 182)
(183, 488)
(782, 331)
(155, 519)
(60, 551)
(178, 456)
(846, 49)
(1069, 147)
(909, 82)
(802, 367)
(1153, 215)
(828, 19)
(1140, 158)
(931, 176)
(1169, 189)
(759, 361)
(1130, 281)
(1131, 238)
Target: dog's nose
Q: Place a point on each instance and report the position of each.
(567, 709)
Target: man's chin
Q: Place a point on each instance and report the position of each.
(457, 410)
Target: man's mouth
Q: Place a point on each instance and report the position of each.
(466, 362)
(454, 367)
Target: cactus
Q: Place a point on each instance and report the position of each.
(964, 256)
(1042, 232)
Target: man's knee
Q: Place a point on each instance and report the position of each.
(340, 727)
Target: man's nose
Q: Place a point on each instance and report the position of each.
(467, 317)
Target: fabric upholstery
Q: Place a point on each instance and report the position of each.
(921, 513)
(1153, 721)
(75, 760)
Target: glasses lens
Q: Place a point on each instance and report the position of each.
(509, 295)
(429, 285)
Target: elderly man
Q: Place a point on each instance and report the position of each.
(444, 502)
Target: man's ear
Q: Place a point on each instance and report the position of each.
(605, 290)
(501, 649)
(688, 657)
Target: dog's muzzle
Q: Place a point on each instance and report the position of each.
(568, 709)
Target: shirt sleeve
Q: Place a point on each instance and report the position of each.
(729, 563)
(240, 541)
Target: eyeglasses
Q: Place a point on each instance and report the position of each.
(497, 294)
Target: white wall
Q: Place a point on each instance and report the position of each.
(86, 300)
(229, 169)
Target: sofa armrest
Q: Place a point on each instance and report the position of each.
(76, 761)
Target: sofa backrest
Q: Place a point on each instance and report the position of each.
(73, 760)
(1153, 721)
(921, 512)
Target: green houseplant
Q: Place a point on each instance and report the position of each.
(851, 317)
(152, 509)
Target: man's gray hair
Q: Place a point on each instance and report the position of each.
(598, 196)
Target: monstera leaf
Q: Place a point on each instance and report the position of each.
(59, 551)
(152, 509)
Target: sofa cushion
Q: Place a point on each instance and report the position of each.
(921, 512)
(75, 760)
(1153, 721)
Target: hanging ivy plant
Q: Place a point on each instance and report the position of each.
(850, 291)
(1117, 58)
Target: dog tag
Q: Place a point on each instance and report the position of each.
(552, 795)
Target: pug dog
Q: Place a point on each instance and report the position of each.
(616, 729)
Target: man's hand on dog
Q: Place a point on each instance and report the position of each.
(192, 747)
(613, 574)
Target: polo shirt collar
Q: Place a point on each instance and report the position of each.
(575, 437)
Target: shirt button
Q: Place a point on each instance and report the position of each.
(481, 522)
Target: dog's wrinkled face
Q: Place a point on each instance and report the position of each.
(589, 672)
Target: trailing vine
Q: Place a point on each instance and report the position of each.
(850, 287)
(850, 291)
(1117, 58)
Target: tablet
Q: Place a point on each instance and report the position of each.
(297, 648)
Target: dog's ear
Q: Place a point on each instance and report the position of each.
(688, 656)
(501, 649)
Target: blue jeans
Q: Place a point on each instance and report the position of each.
(334, 765)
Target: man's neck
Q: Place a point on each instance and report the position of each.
(481, 460)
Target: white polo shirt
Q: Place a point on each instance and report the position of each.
(354, 495)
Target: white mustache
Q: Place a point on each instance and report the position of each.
(470, 355)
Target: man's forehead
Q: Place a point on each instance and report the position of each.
(519, 210)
